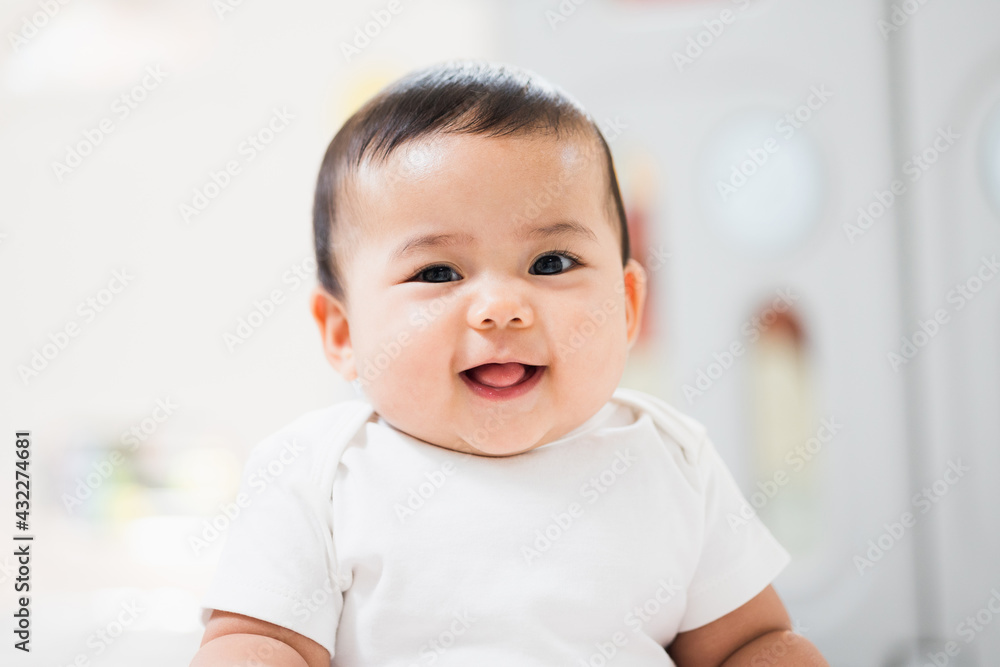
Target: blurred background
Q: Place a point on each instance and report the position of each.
(813, 187)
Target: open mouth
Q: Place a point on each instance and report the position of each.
(502, 381)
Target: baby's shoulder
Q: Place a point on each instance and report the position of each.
(307, 441)
(683, 435)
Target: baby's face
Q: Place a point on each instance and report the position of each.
(487, 307)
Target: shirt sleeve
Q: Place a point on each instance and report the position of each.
(739, 556)
(277, 562)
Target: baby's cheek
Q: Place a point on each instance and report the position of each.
(400, 328)
(382, 346)
(594, 361)
(599, 329)
(429, 314)
(400, 386)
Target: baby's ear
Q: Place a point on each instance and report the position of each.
(635, 298)
(331, 317)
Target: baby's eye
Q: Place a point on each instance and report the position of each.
(437, 274)
(553, 263)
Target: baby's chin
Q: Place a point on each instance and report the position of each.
(499, 449)
(497, 431)
(507, 441)
(504, 441)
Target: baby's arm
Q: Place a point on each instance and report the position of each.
(758, 633)
(234, 639)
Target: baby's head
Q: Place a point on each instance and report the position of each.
(473, 259)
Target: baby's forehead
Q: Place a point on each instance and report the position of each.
(545, 167)
(419, 158)
(530, 170)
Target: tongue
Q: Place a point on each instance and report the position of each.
(498, 375)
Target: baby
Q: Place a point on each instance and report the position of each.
(491, 497)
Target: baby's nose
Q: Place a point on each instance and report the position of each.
(500, 306)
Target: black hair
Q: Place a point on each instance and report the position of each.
(458, 96)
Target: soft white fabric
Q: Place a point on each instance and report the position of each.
(390, 551)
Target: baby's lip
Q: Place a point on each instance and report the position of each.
(501, 384)
(501, 360)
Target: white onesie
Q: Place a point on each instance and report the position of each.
(596, 548)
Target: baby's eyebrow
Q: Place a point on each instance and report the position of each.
(564, 228)
(424, 241)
